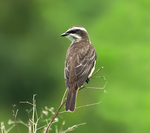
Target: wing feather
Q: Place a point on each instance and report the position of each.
(84, 67)
(80, 64)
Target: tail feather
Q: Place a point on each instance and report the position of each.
(71, 98)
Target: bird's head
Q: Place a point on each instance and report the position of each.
(76, 33)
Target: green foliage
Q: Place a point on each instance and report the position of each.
(32, 56)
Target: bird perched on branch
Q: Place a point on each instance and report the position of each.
(80, 63)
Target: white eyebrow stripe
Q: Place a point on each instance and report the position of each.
(78, 28)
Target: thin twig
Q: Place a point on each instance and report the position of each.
(55, 116)
(2, 127)
(99, 77)
(29, 127)
(91, 88)
(26, 102)
(34, 108)
(94, 88)
(64, 96)
(89, 105)
(96, 72)
(19, 121)
(28, 113)
(23, 123)
(15, 115)
(41, 127)
(36, 124)
(84, 106)
(10, 128)
(73, 127)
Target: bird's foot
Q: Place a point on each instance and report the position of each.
(87, 80)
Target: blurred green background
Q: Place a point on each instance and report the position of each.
(32, 56)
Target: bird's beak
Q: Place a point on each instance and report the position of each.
(65, 34)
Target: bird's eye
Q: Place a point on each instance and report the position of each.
(73, 31)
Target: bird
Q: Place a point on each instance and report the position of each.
(79, 64)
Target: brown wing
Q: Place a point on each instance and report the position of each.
(84, 66)
(79, 65)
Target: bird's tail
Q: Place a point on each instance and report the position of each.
(71, 97)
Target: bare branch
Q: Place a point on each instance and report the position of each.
(33, 111)
(10, 128)
(73, 127)
(15, 115)
(99, 77)
(96, 72)
(55, 116)
(2, 127)
(94, 88)
(64, 96)
(89, 105)
(26, 102)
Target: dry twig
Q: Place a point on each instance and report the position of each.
(15, 115)
(55, 115)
